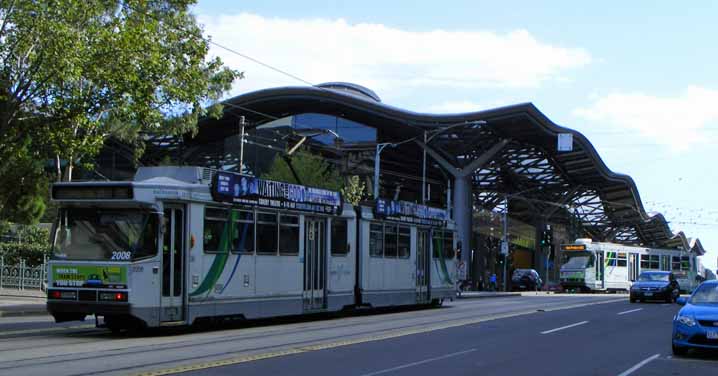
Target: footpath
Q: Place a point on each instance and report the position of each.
(14, 303)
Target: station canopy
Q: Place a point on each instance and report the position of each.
(509, 154)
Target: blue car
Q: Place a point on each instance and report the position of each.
(696, 324)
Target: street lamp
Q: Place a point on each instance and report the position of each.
(379, 148)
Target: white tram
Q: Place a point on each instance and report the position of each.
(595, 266)
(179, 244)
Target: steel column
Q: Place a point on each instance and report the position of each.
(463, 215)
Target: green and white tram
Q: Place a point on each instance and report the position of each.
(596, 266)
(179, 244)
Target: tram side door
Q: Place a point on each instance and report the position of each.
(634, 264)
(422, 266)
(600, 269)
(315, 264)
(173, 268)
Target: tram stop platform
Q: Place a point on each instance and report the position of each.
(15, 303)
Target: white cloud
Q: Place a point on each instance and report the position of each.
(678, 122)
(386, 59)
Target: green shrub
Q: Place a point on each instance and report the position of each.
(33, 254)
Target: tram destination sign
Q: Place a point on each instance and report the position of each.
(249, 190)
(573, 247)
(410, 212)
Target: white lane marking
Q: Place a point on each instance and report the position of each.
(633, 310)
(639, 365)
(565, 327)
(419, 363)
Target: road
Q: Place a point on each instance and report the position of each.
(536, 335)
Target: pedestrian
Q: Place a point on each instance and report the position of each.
(492, 282)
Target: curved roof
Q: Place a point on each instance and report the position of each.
(529, 169)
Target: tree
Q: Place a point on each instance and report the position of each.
(355, 191)
(313, 171)
(73, 72)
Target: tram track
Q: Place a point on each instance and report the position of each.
(457, 317)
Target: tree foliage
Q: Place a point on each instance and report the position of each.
(354, 191)
(73, 72)
(312, 170)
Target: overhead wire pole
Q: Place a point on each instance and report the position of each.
(505, 240)
(241, 145)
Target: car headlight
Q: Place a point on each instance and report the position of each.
(686, 320)
(635, 288)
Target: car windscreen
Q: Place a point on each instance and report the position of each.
(105, 234)
(705, 294)
(653, 277)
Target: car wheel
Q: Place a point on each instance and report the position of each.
(679, 350)
(669, 298)
(632, 300)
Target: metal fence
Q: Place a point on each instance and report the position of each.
(23, 277)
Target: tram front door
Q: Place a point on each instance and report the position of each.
(422, 266)
(315, 264)
(173, 270)
(600, 270)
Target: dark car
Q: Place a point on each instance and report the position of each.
(696, 324)
(526, 279)
(655, 285)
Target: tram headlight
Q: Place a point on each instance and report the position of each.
(686, 320)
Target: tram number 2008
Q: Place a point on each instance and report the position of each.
(121, 255)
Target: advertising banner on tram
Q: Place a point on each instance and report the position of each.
(93, 276)
(249, 190)
(410, 212)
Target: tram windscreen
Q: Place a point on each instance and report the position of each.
(105, 234)
(577, 260)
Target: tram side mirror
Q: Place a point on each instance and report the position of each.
(681, 301)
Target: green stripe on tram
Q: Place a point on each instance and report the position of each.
(220, 260)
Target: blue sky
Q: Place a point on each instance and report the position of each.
(637, 78)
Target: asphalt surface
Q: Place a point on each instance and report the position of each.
(536, 335)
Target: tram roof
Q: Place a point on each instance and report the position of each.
(529, 169)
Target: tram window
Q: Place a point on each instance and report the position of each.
(147, 244)
(390, 241)
(340, 245)
(611, 258)
(676, 264)
(438, 246)
(376, 240)
(267, 233)
(650, 262)
(215, 221)
(448, 244)
(289, 234)
(243, 239)
(666, 263)
(622, 259)
(404, 241)
(685, 263)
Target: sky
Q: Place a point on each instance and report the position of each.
(638, 78)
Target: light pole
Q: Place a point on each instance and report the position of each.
(379, 148)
